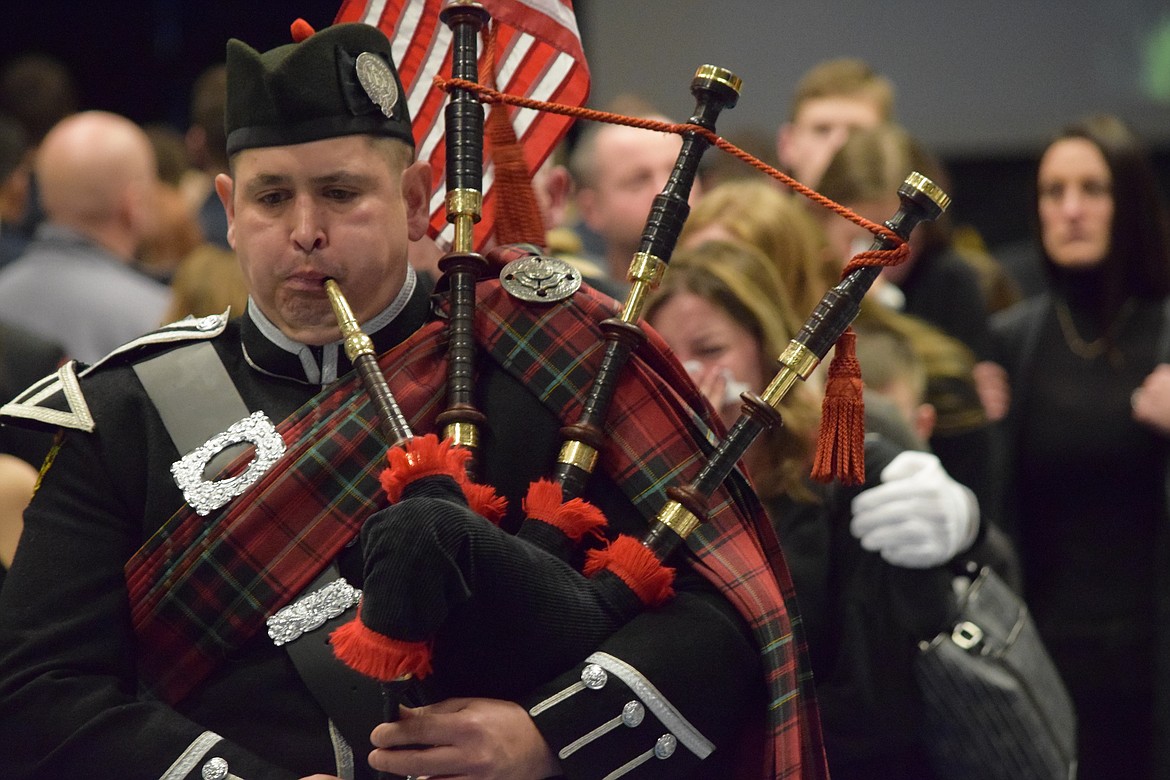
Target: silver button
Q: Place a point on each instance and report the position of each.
(633, 713)
(594, 677)
(664, 747)
(215, 769)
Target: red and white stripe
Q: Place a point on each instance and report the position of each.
(538, 55)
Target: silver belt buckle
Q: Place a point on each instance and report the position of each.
(311, 611)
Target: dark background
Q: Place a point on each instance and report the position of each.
(957, 89)
(140, 57)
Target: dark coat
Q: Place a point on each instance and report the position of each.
(864, 618)
(69, 699)
(1019, 347)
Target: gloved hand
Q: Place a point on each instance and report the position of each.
(919, 516)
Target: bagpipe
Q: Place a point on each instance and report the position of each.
(439, 513)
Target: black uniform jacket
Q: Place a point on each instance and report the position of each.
(71, 704)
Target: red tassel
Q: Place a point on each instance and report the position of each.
(423, 456)
(841, 439)
(636, 566)
(301, 30)
(378, 656)
(518, 219)
(574, 518)
(483, 500)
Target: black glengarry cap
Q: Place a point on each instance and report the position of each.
(336, 82)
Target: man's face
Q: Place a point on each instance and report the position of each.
(340, 208)
(821, 127)
(631, 168)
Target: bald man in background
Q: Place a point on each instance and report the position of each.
(618, 171)
(74, 284)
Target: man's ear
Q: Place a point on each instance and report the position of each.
(139, 208)
(195, 141)
(416, 193)
(558, 188)
(784, 145)
(224, 187)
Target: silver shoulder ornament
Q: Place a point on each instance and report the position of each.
(540, 279)
(56, 401)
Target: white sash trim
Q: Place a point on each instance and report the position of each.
(194, 753)
(662, 709)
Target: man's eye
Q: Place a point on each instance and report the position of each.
(339, 194)
(709, 351)
(636, 181)
(271, 198)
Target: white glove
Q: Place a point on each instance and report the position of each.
(919, 516)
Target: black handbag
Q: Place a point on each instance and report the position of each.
(995, 705)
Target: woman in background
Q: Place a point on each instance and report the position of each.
(1087, 500)
(779, 225)
(868, 563)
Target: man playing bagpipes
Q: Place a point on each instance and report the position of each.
(163, 616)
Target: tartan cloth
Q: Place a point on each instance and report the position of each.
(199, 589)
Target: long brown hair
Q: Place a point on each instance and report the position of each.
(742, 282)
(779, 225)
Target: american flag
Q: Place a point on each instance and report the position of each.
(537, 55)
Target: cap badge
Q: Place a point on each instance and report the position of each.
(376, 79)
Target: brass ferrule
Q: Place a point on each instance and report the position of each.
(800, 359)
(578, 454)
(464, 202)
(796, 363)
(928, 188)
(645, 267)
(721, 75)
(356, 342)
(678, 519)
(463, 210)
(464, 434)
(645, 272)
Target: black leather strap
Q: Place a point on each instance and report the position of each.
(352, 701)
(195, 397)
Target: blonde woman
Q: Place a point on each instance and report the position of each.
(868, 564)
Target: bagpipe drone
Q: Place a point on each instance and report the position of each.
(438, 512)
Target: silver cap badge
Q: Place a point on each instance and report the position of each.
(376, 79)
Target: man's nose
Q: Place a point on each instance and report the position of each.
(308, 231)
